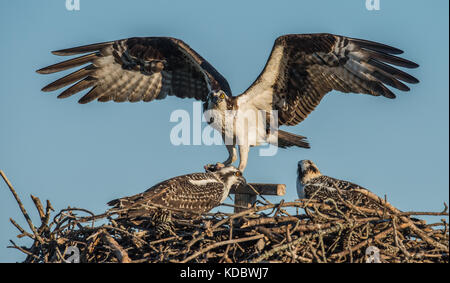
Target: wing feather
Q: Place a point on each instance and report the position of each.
(70, 78)
(68, 64)
(79, 86)
(136, 69)
(82, 49)
(178, 193)
(302, 68)
(93, 94)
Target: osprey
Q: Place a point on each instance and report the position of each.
(186, 195)
(301, 69)
(312, 184)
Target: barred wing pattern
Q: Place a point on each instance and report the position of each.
(302, 68)
(324, 187)
(192, 194)
(136, 69)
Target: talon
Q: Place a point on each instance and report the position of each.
(219, 166)
(210, 168)
(213, 167)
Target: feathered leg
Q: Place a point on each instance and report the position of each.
(232, 157)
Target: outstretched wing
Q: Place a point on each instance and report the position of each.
(194, 193)
(135, 69)
(302, 68)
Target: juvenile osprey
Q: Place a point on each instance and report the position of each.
(186, 195)
(312, 184)
(301, 69)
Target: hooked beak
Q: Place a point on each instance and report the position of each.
(299, 169)
(242, 181)
(215, 100)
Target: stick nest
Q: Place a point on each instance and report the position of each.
(313, 231)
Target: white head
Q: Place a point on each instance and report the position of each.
(230, 176)
(218, 100)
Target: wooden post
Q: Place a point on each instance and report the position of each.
(245, 196)
(243, 201)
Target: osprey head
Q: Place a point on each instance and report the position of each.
(230, 176)
(307, 170)
(218, 100)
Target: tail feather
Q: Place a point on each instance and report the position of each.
(286, 139)
(125, 202)
(125, 209)
(114, 202)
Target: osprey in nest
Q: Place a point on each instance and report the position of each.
(301, 69)
(187, 196)
(311, 184)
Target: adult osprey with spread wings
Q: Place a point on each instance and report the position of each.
(301, 69)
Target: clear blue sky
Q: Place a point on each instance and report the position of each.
(85, 155)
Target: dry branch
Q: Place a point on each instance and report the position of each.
(266, 232)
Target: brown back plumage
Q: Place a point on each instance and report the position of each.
(191, 194)
(325, 187)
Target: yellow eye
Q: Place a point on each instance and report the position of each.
(222, 95)
(238, 174)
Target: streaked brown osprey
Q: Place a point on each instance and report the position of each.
(312, 184)
(301, 69)
(187, 195)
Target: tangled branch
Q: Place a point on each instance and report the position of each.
(328, 231)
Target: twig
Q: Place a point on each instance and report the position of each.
(221, 244)
(120, 253)
(22, 208)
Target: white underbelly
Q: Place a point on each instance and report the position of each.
(250, 128)
(300, 190)
(226, 191)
